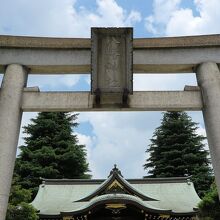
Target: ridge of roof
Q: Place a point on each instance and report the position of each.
(131, 181)
(115, 175)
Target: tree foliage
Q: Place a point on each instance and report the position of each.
(21, 212)
(18, 208)
(209, 207)
(51, 150)
(176, 149)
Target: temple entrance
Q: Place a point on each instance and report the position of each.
(116, 212)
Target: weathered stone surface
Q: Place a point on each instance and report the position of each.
(178, 42)
(32, 89)
(112, 60)
(83, 43)
(139, 101)
(208, 76)
(47, 60)
(154, 55)
(10, 118)
(44, 42)
(191, 88)
(56, 101)
(173, 59)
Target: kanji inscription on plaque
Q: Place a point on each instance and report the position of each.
(112, 60)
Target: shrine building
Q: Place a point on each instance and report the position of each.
(117, 198)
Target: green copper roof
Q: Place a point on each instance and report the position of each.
(176, 195)
(114, 176)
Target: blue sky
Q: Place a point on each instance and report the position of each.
(112, 137)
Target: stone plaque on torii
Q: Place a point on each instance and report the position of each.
(111, 65)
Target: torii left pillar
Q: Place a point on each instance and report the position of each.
(13, 83)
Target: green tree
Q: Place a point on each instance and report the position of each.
(176, 150)
(18, 208)
(51, 150)
(209, 207)
(21, 212)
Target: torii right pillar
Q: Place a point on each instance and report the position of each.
(208, 77)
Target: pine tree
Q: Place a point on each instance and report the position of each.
(51, 150)
(176, 150)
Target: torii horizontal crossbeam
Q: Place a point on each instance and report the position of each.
(139, 101)
(155, 55)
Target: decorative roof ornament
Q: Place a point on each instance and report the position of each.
(186, 174)
(115, 170)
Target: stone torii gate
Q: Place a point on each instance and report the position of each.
(112, 55)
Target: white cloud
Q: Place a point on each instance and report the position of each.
(121, 138)
(159, 82)
(51, 82)
(61, 18)
(84, 139)
(132, 18)
(89, 142)
(1, 76)
(162, 12)
(25, 120)
(201, 131)
(177, 20)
